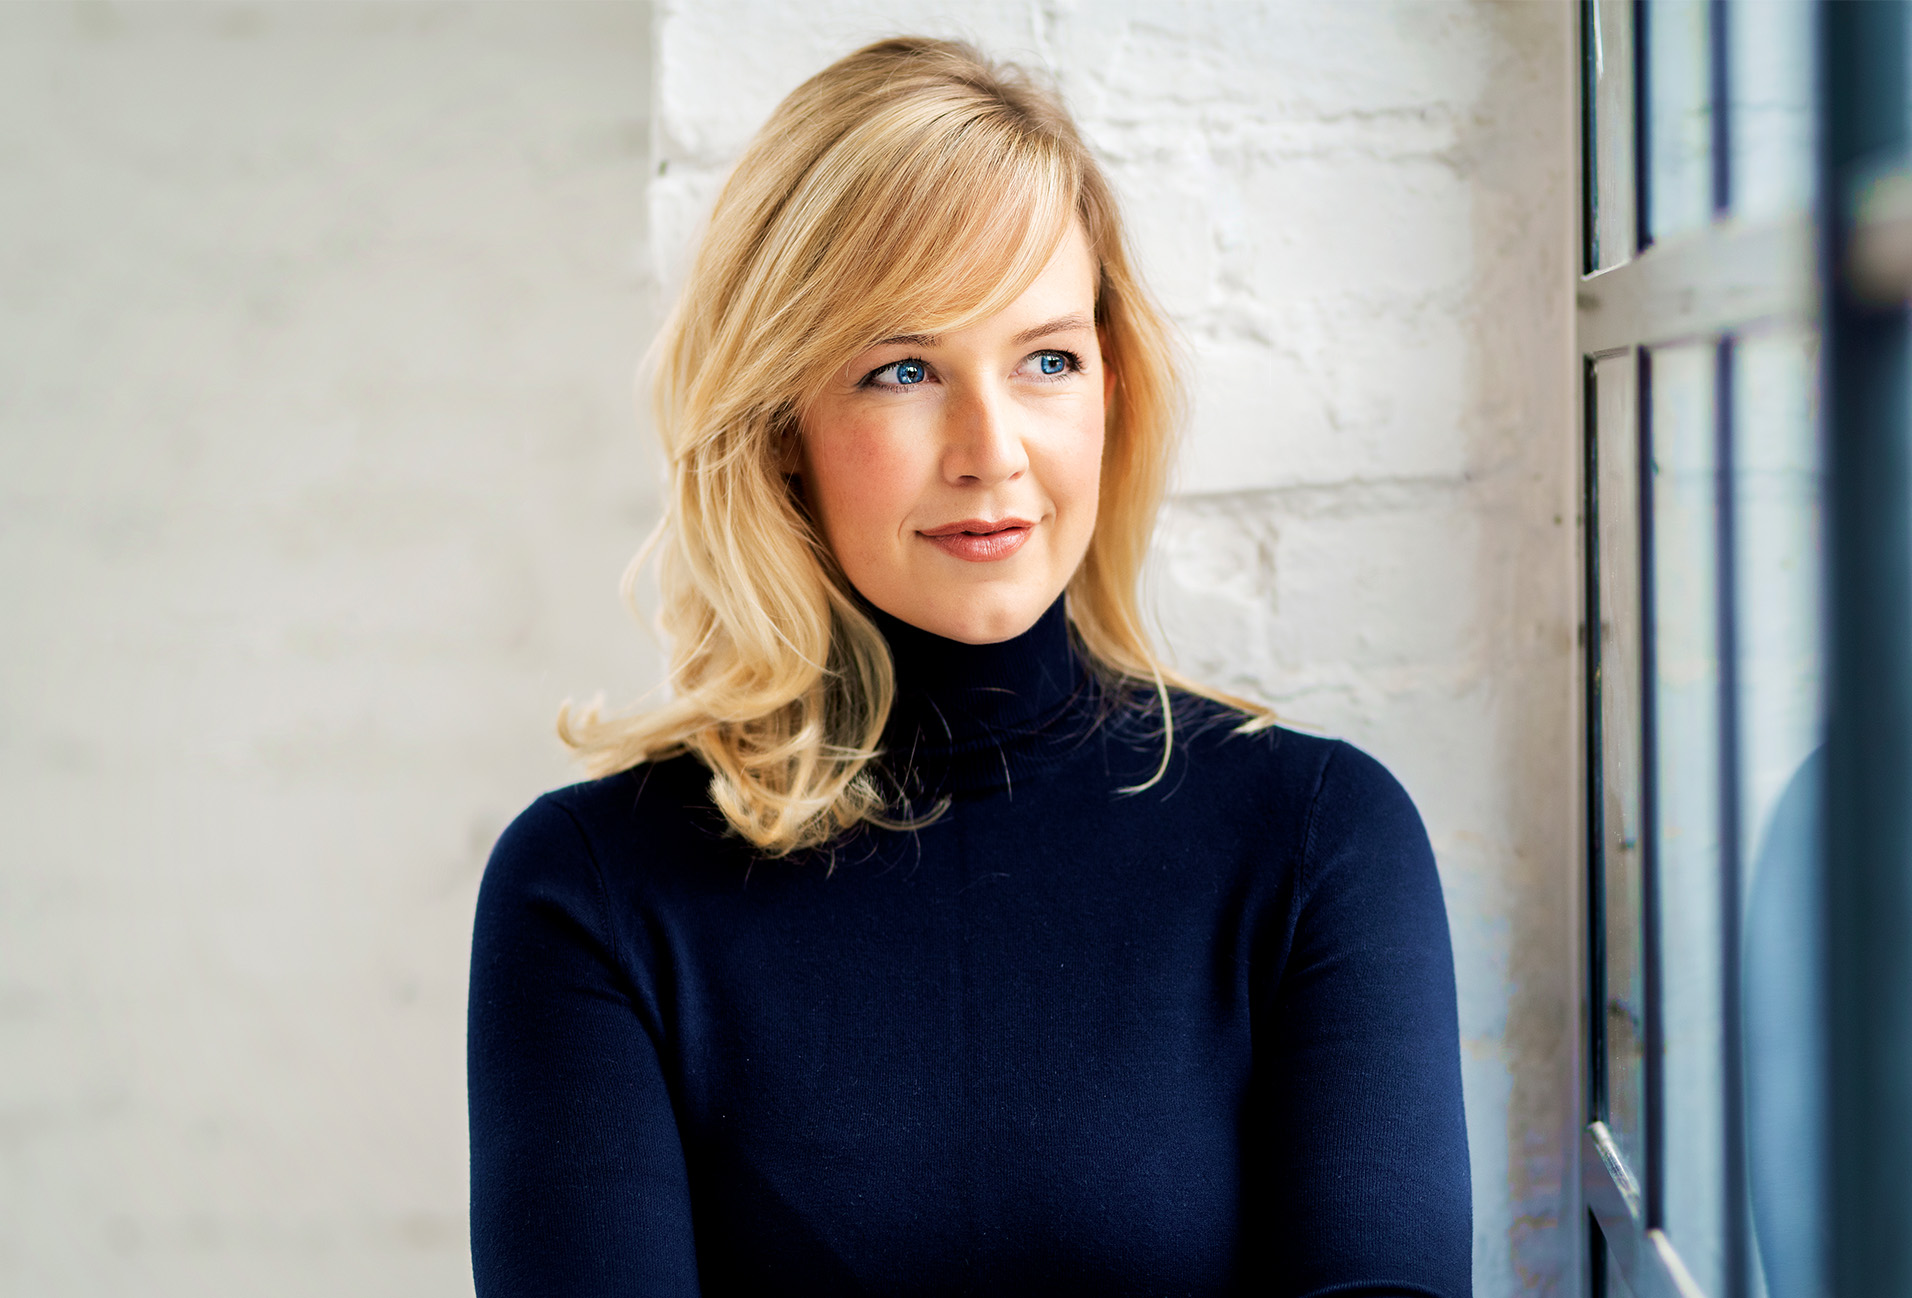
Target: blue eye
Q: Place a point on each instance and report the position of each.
(908, 372)
(1053, 362)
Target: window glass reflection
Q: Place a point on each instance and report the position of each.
(1778, 485)
(1686, 740)
(1769, 60)
(1617, 452)
(1610, 65)
(1679, 118)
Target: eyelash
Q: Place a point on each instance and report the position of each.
(1072, 364)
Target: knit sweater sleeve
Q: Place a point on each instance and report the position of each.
(578, 1182)
(1367, 1139)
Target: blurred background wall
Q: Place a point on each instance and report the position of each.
(318, 466)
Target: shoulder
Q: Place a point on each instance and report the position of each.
(560, 843)
(1357, 794)
(1366, 864)
(1350, 811)
(1219, 745)
(1336, 776)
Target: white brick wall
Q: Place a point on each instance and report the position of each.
(1359, 214)
(317, 469)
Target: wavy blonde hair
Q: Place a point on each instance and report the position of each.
(911, 187)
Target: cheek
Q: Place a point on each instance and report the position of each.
(859, 480)
(1081, 476)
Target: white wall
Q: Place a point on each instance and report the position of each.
(1360, 215)
(318, 467)
(317, 472)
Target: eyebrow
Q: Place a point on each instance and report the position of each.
(1060, 325)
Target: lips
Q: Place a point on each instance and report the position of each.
(980, 540)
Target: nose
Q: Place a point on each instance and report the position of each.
(982, 440)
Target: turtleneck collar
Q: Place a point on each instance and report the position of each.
(974, 717)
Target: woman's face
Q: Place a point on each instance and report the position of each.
(954, 476)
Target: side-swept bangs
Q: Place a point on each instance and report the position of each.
(920, 208)
(950, 229)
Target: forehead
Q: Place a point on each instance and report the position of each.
(1064, 286)
(1070, 270)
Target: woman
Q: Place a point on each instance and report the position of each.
(927, 941)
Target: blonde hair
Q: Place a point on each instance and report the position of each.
(863, 209)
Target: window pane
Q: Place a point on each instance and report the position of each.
(1778, 486)
(1769, 53)
(1620, 715)
(1680, 119)
(1610, 65)
(1687, 865)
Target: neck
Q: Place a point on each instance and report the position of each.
(972, 717)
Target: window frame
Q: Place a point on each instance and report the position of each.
(1702, 286)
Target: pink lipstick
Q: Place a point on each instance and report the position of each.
(980, 540)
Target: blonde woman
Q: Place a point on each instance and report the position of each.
(934, 938)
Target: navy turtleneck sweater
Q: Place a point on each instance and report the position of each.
(1064, 1039)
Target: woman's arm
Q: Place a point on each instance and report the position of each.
(1366, 1139)
(577, 1173)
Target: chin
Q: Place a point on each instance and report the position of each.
(983, 621)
